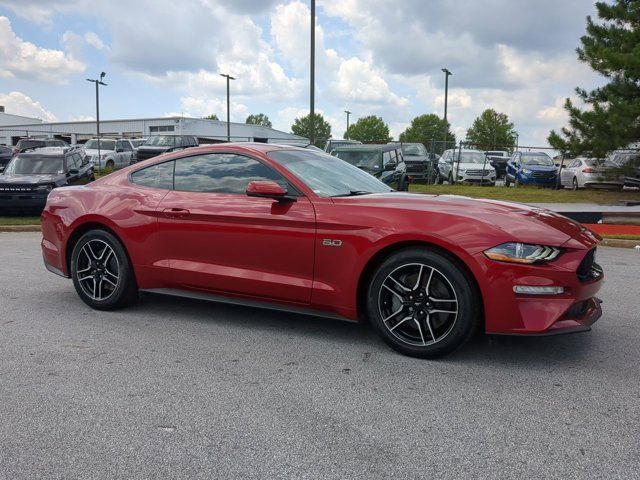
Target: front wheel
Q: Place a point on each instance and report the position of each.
(423, 304)
(439, 179)
(101, 271)
(574, 184)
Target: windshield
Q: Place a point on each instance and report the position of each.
(623, 158)
(104, 144)
(541, 159)
(34, 165)
(22, 144)
(164, 141)
(371, 160)
(137, 143)
(326, 175)
(413, 149)
(497, 154)
(470, 157)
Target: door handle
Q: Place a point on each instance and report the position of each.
(175, 212)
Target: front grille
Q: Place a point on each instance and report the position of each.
(143, 155)
(416, 168)
(16, 188)
(479, 173)
(588, 268)
(544, 174)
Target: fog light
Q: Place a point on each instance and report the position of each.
(531, 290)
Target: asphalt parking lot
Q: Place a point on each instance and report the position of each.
(173, 388)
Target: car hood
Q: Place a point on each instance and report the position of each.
(28, 179)
(94, 151)
(540, 168)
(473, 166)
(149, 148)
(416, 158)
(521, 222)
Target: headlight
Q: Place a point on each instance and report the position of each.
(526, 171)
(462, 170)
(44, 188)
(104, 155)
(522, 253)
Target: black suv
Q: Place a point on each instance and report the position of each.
(159, 144)
(30, 176)
(25, 144)
(421, 165)
(385, 162)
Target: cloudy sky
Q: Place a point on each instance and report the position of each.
(373, 57)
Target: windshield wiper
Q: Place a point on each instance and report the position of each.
(353, 193)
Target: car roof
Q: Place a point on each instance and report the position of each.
(49, 151)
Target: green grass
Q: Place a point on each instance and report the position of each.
(19, 221)
(530, 194)
(622, 236)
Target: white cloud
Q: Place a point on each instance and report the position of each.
(21, 59)
(17, 103)
(95, 41)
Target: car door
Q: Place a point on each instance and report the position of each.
(390, 161)
(127, 151)
(72, 169)
(566, 174)
(218, 239)
(444, 165)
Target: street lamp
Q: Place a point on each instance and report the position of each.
(98, 82)
(228, 77)
(346, 133)
(312, 75)
(446, 99)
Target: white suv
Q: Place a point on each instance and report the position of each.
(465, 166)
(113, 153)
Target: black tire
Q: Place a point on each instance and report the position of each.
(574, 184)
(429, 332)
(439, 180)
(91, 264)
(450, 179)
(109, 165)
(404, 185)
(516, 182)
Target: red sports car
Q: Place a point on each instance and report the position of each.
(296, 229)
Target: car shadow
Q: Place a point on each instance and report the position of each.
(513, 351)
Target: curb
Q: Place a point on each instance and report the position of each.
(20, 228)
(619, 243)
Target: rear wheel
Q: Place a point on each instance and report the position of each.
(422, 304)
(507, 182)
(101, 271)
(574, 184)
(109, 165)
(439, 179)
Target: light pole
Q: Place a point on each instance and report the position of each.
(446, 100)
(346, 133)
(98, 82)
(228, 77)
(312, 75)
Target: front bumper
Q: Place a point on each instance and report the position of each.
(22, 203)
(488, 178)
(530, 180)
(510, 313)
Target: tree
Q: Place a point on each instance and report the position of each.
(370, 129)
(427, 128)
(492, 130)
(258, 119)
(610, 116)
(301, 126)
(213, 116)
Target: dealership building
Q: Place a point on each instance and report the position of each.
(14, 127)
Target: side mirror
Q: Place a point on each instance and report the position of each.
(390, 167)
(119, 150)
(73, 171)
(268, 189)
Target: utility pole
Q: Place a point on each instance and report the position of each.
(312, 75)
(346, 133)
(98, 82)
(446, 101)
(228, 77)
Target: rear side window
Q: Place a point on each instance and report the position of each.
(155, 176)
(221, 173)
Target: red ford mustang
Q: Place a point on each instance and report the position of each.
(295, 229)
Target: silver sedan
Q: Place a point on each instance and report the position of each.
(591, 173)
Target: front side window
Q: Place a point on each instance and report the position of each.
(327, 175)
(155, 176)
(221, 173)
(164, 141)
